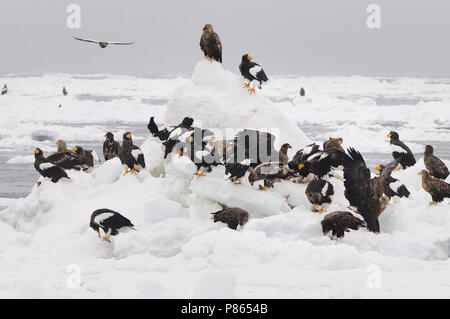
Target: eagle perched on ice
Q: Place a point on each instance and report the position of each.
(401, 151)
(340, 222)
(130, 155)
(434, 165)
(210, 44)
(110, 147)
(435, 187)
(111, 222)
(46, 168)
(64, 158)
(252, 71)
(232, 216)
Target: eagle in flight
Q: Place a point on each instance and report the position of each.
(102, 44)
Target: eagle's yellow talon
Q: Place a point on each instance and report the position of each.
(105, 238)
(433, 203)
(199, 174)
(252, 90)
(246, 85)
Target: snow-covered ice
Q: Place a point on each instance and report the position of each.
(46, 244)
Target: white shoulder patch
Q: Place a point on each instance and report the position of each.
(136, 153)
(307, 150)
(325, 189)
(254, 70)
(396, 185)
(314, 156)
(45, 166)
(101, 217)
(175, 133)
(398, 149)
(323, 156)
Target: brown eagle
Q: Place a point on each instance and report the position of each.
(436, 188)
(210, 44)
(64, 158)
(340, 222)
(434, 165)
(232, 216)
(283, 156)
(333, 142)
(110, 147)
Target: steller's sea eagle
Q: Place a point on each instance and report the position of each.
(401, 151)
(252, 71)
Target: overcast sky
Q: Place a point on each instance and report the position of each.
(314, 37)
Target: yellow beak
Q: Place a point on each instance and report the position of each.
(300, 166)
(74, 149)
(128, 136)
(36, 151)
(420, 173)
(191, 139)
(378, 168)
(250, 58)
(389, 135)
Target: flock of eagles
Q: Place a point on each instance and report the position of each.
(251, 154)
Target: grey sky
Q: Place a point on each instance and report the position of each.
(314, 37)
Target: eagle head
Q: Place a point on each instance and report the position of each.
(393, 135)
(38, 153)
(246, 57)
(109, 136)
(127, 136)
(208, 28)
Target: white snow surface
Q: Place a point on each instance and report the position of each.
(47, 249)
